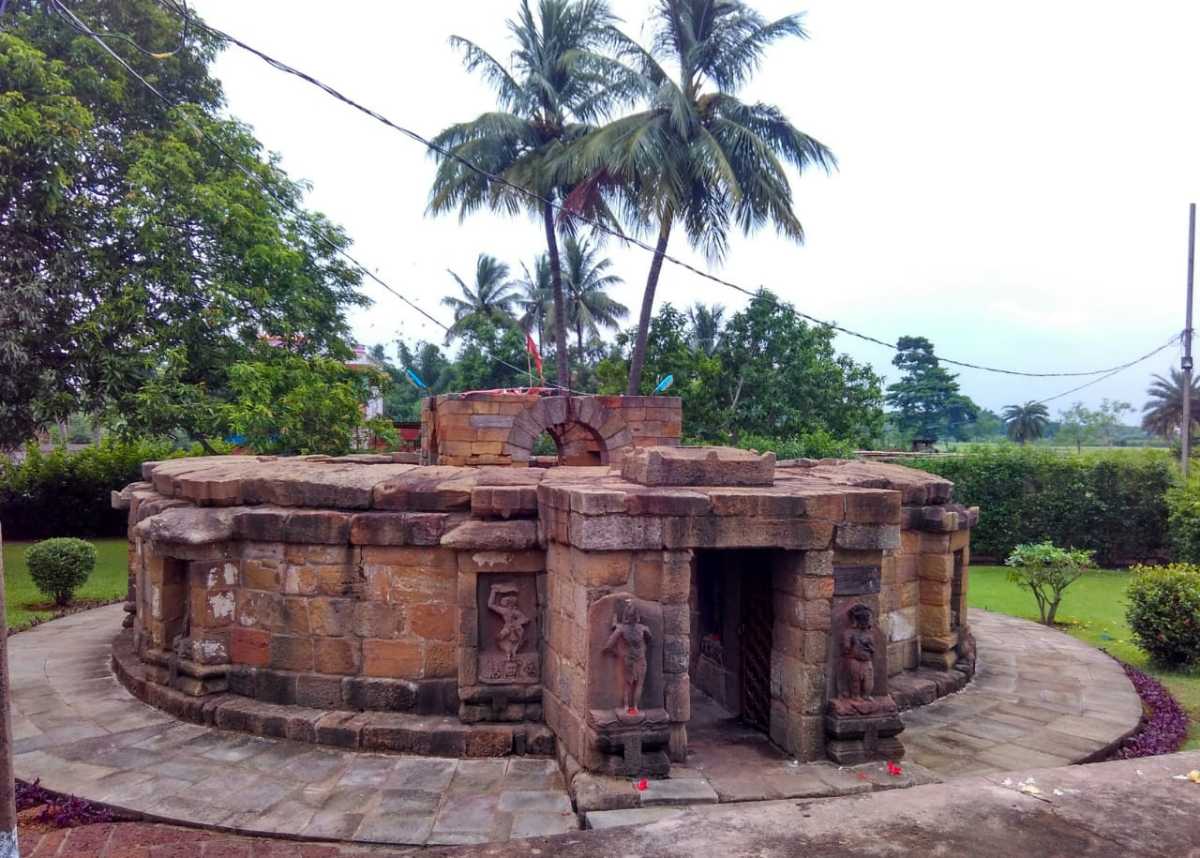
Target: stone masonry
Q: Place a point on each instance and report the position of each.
(491, 610)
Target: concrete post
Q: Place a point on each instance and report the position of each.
(8, 805)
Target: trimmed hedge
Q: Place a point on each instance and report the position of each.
(1112, 504)
(69, 494)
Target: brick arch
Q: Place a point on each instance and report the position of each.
(580, 426)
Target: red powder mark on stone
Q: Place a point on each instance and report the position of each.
(642, 784)
(893, 769)
(632, 710)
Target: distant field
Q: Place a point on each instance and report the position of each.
(1092, 610)
(24, 603)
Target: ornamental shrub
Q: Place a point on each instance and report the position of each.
(817, 444)
(1164, 612)
(1046, 571)
(1112, 503)
(60, 566)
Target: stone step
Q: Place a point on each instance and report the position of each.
(602, 819)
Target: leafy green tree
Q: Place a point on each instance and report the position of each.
(1026, 422)
(548, 98)
(1076, 425)
(144, 258)
(988, 424)
(926, 399)
(293, 405)
(490, 297)
(486, 358)
(697, 155)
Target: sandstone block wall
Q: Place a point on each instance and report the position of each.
(501, 428)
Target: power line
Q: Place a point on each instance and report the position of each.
(595, 224)
(79, 26)
(1107, 376)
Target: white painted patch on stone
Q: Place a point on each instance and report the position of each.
(902, 626)
(212, 650)
(156, 601)
(231, 572)
(221, 604)
(492, 558)
(8, 844)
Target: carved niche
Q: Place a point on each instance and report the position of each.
(625, 642)
(508, 630)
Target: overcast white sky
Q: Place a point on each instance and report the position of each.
(1013, 181)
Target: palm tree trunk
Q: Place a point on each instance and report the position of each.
(562, 359)
(638, 360)
(579, 337)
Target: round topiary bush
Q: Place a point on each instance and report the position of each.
(60, 566)
(1164, 612)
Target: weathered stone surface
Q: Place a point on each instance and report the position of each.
(698, 466)
(184, 525)
(492, 536)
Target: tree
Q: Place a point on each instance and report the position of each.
(553, 91)
(1107, 420)
(490, 297)
(1162, 414)
(706, 325)
(1076, 425)
(586, 280)
(698, 157)
(296, 406)
(1026, 422)
(1047, 571)
(535, 296)
(926, 398)
(144, 258)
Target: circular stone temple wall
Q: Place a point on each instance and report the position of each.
(482, 611)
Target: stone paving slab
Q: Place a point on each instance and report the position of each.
(1040, 698)
(80, 732)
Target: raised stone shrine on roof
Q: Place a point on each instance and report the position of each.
(467, 607)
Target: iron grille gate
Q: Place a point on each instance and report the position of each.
(758, 617)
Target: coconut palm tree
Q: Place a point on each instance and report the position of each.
(1163, 412)
(548, 99)
(586, 279)
(706, 326)
(535, 296)
(697, 155)
(490, 298)
(1026, 422)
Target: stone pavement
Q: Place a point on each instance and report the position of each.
(1040, 698)
(81, 733)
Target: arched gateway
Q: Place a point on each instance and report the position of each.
(501, 427)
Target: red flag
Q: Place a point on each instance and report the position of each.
(531, 347)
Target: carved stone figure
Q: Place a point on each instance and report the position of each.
(503, 601)
(628, 642)
(858, 654)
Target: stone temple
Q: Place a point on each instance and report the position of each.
(597, 610)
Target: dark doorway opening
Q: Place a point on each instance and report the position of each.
(734, 614)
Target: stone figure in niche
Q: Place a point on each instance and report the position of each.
(628, 643)
(858, 654)
(503, 601)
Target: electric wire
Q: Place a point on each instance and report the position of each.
(1145, 357)
(599, 225)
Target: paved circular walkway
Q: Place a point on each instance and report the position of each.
(81, 732)
(1040, 698)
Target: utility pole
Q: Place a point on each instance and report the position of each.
(1186, 364)
(8, 798)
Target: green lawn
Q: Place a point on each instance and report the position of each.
(1092, 610)
(25, 603)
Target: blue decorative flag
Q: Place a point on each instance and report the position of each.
(416, 379)
(666, 382)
